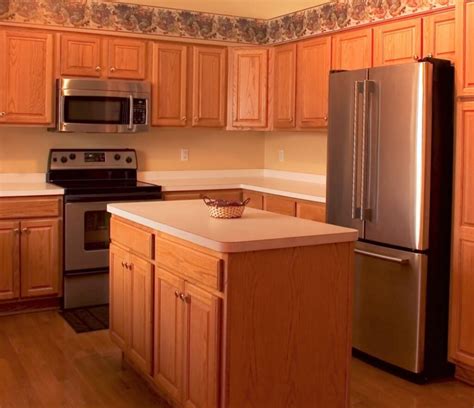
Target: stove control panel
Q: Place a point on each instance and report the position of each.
(92, 159)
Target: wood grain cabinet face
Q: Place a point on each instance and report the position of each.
(461, 342)
(313, 65)
(201, 348)
(352, 50)
(26, 77)
(284, 86)
(81, 55)
(256, 199)
(439, 35)
(9, 260)
(169, 84)
(279, 205)
(397, 43)
(311, 211)
(209, 86)
(40, 260)
(126, 58)
(249, 91)
(465, 47)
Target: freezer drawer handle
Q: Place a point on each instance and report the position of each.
(384, 257)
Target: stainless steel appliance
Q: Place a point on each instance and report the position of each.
(102, 106)
(390, 148)
(92, 179)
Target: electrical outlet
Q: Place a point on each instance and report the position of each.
(281, 155)
(184, 154)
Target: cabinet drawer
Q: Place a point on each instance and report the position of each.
(133, 237)
(190, 263)
(310, 211)
(30, 207)
(256, 199)
(279, 205)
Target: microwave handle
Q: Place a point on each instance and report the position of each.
(130, 114)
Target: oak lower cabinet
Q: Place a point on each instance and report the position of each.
(30, 248)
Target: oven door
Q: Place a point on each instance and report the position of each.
(87, 235)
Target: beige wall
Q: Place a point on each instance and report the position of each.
(305, 152)
(26, 149)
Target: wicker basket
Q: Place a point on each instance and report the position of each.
(224, 208)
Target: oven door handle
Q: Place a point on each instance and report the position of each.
(130, 112)
(109, 198)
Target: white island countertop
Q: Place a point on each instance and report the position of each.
(256, 230)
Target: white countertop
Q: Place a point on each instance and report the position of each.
(256, 230)
(22, 189)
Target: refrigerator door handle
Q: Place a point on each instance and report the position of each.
(384, 257)
(355, 209)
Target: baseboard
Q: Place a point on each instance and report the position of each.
(30, 305)
(464, 374)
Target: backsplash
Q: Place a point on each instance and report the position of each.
(110, 16)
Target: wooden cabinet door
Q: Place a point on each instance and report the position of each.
(461, 342)
(119, 296)
(141, 313)
(465, 47)
(126, 58)
(314, 64)
(209, 86)
(26, 77)
(256, 199)
(397, 43)
(169, 84)
(439, 35)
(311, 211)
(352, 49)
(168, 333)
(9, 260)
(279, 205)
(284, 86)
(81, 55)
(40, 260)
(201, 348)
(249, 77)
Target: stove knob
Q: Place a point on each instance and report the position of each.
(117, 157)
(55, 159)
(128, 159)
(63, 159)
(72, 156)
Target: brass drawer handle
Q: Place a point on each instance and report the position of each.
(112, 69)
(98, 68)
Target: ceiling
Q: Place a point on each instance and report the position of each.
(245, 8)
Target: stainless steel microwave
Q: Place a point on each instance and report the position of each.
(102, 106)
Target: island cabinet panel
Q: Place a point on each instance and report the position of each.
(26, 76)
(313, 66)
(9, 260)
(169, 84)
(465, 48)
(352, 49)
(201, 348)
(40, 257)
(396, 43)
(81, 55)
(439, 35)
(209, 97)
(126, 58)
(284, 86)
(119, 299)
(248, 89)
(168, 333)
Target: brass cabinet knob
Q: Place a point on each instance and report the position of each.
(2, 114)
(290, 119)
(98, 68)
(24, 230)
(185, 298)
(130, 266)
(183, 118)
(112, 69)
(176, 294)
(429, 55)
(415, 57)
(16, 230)
(325, 118)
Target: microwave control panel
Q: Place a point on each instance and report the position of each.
(139, 111)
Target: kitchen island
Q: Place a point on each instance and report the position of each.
(251, 312)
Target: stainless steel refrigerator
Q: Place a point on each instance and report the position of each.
(390, 149)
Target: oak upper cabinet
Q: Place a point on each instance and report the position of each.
(313, 66)
(465, 48)
(248, 91)
(9, 260)
(352, 49)
(40, 257)
(439, 35)
(102, 57)
(397, 43)
(461, 341)
(26, 76)
(284, 86)
(209, 78)
(169, 84)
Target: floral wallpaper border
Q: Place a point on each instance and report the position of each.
(133, 18)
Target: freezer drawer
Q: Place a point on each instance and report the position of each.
(389, 305)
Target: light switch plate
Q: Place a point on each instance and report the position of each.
(281, 155)
(184, 154)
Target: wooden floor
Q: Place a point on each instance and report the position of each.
(44, 363)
